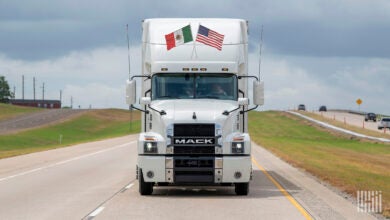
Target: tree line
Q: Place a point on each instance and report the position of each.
(5, 92)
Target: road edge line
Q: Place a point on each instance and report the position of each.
(96, 212)
(283, 191)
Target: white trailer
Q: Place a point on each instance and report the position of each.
(194, 104)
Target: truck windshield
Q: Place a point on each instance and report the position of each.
(194, 86)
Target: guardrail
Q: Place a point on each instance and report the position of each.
(356, 112)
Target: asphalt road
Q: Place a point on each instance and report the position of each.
(97, 181)
(352, 119)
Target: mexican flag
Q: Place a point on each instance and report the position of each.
(179, 37)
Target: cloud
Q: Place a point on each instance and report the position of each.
(95, 77)
(343, 28)
(94, 95)
(290, 81)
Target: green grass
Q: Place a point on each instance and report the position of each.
(9, 111)
(349, 164)
(93, 125)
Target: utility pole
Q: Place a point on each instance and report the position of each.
(34, 87)
(23, 87)
(71, 102)
(43, 91)
(14, 92)
(60, 96)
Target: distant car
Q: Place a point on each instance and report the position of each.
(301, 107)
(322, 108)
(384, 123)
(370, 117)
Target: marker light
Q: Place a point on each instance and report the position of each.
(240, 138)
(149, 138)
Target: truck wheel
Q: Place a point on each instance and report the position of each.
(242, 189)
(144, 187)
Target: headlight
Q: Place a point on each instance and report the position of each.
(150, 147)
(238, 147)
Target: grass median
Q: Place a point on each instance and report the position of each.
(90, 126)
(347, 163)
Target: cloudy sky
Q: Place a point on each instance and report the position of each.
(328, 52)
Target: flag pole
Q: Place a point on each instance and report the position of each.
(128, 57)
(261, 45)
(194, 46)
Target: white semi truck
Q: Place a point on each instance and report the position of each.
(194, 102)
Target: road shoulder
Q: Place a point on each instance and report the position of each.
(319, 200)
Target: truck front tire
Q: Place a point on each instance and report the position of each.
(144, 187)
(242, 189)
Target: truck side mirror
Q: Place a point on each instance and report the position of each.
(258, 93)
(243, 101)
(130, 92)
(145, 101)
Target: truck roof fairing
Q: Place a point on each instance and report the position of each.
(234, 48)
(235, 30)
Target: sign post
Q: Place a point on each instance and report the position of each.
(359, 102)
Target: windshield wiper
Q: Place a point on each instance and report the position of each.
(168, 96)
(208, 97)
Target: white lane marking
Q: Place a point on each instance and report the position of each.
(65, 161)
(129, 186)
(96, 212)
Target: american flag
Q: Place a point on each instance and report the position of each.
(209, 37)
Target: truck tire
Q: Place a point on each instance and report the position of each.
(242, 189)
(144, 187)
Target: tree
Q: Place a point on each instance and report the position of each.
(5, 93)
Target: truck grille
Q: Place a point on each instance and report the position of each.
(194, 149)
(194, 139)
(194, 169)
(194, 130)
(194, 162)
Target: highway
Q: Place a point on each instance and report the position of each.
(351, 119)
(97, 181)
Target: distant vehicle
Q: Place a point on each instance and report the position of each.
(301, 107)
(384, 123)
(370, 117)
(323, 108)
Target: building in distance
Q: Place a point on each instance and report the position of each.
(36, 103)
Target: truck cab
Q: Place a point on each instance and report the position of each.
(194, 102)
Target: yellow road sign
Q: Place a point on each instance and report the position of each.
(359, 101)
